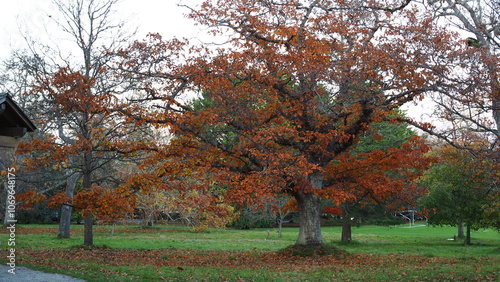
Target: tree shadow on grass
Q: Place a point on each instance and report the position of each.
(313, 251)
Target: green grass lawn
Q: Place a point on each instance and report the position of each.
(173, 253)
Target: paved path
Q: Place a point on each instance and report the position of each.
(25, 274)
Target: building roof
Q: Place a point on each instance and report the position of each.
(13, 121)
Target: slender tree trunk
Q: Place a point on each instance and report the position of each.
(280, 227)
(151, 219)
(88, 235)
(460, 233)
(467, 238)
(496, 111)
(346, 235)
(65, 220)
(144, 221)
(346, 231)
(346, 227)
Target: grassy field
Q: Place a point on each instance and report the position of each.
(397, 253)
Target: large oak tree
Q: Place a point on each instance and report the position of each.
(292, 91)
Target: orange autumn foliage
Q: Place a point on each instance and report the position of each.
(106, 204)
(59, 199)
(337, 211)
(29, 198)
(381, 174)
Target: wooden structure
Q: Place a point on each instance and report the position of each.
(14, 124)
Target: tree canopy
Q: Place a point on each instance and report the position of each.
(462, 188)
(296, 86)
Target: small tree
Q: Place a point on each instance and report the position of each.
(461, 187)
(282, 207)
(173, 190)
(152, 203)
(84, 136)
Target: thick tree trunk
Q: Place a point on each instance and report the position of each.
(460, 233)
(65, 220)
(310, 213)
(88, 235)
(309, 221)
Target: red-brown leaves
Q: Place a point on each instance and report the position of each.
(59, 199)
(30, 198)
(355, 266)
(336, 211)
(380, 173)
(47, 152)
(106, 204)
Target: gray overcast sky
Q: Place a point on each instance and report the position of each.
(163, 16)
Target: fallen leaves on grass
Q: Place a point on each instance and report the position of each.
(182, 259)
(79, 231)
(46, 230)
(114, 261)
